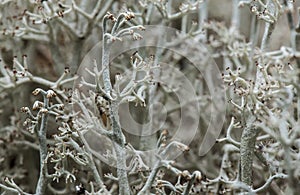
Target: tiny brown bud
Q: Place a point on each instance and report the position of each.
(50, 94)
(36, 91)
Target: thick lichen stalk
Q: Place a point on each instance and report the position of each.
(250, 132)
(247, 150)
(42, 182)
(118, 137)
